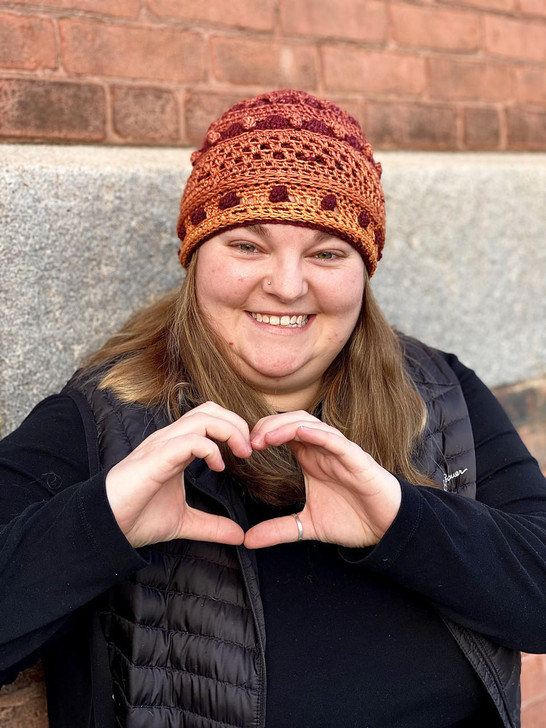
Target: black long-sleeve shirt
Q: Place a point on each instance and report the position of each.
(354, 637)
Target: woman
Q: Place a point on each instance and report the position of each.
(269, 404)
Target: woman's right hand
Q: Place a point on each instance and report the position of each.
(146, 489)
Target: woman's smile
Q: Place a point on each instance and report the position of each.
(285, 300)
(281, 320)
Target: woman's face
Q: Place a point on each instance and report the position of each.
(285, 299)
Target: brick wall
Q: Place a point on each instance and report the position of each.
(419, 74)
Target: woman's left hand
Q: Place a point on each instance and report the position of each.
(350, 499)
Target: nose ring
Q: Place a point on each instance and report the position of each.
(268, 283)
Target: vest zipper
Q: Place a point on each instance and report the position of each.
(249, 575)
(246, 567)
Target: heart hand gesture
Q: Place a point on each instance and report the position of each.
(350, 499)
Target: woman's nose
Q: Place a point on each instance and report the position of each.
(286, 281)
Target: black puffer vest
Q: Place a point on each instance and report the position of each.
(185, 635)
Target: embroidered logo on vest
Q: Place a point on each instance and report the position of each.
(449, 478)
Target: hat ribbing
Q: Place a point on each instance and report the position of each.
(285, 157)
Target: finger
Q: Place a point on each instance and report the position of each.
(222, 413)
(208, 425)
(332, 442)
(201, 526)
(307, 432)
(168, 458)
(276, 531)
(274, 422)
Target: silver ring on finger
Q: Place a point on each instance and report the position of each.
(296, 516)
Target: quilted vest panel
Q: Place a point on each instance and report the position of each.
(185, 634)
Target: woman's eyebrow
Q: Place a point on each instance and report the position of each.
(260, 229)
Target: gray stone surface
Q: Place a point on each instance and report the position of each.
(465, 259)
(87, 234)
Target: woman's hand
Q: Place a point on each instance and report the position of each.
(350, 499)
(146, 489)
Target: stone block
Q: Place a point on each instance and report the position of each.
(465, 260)
(88, 235)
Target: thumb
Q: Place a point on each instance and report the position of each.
(275, 531)
(201, 526)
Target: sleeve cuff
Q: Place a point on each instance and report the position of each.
(101, 528)
(385, 553)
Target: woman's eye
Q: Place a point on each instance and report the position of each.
(246, 247)
(326, 255)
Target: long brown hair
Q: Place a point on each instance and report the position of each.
(167, 355)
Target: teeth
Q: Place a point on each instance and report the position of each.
(290, 321)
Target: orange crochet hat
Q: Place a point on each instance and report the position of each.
(285, 157)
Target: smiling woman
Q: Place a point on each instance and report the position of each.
(259, 456)
(252, 281)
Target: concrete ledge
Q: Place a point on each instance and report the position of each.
(87, 235)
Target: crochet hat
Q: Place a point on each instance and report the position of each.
(285, 157)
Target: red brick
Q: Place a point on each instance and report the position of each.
(131, 52)
(531, 84)
(264, 63)
(408, 126)
(486, 4)
(352, 20)
(512, 38)
(347, 68)
(534, 438)
(51, 110)
(255, 15)
(526, 129)
(425, 27)
(27, 678)
(26, 43)
(145, 114)
(23, 703)
(203, 108)
(525, 401)
(533, 7)
(461, 78)
(116, 8)
(30, 714)
(481, 129)
(351, 105)
(533, 678)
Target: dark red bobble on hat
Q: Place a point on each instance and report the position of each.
(279, 193)
(329, 202)
(229, 200)
(364, 219)
(198, 216)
